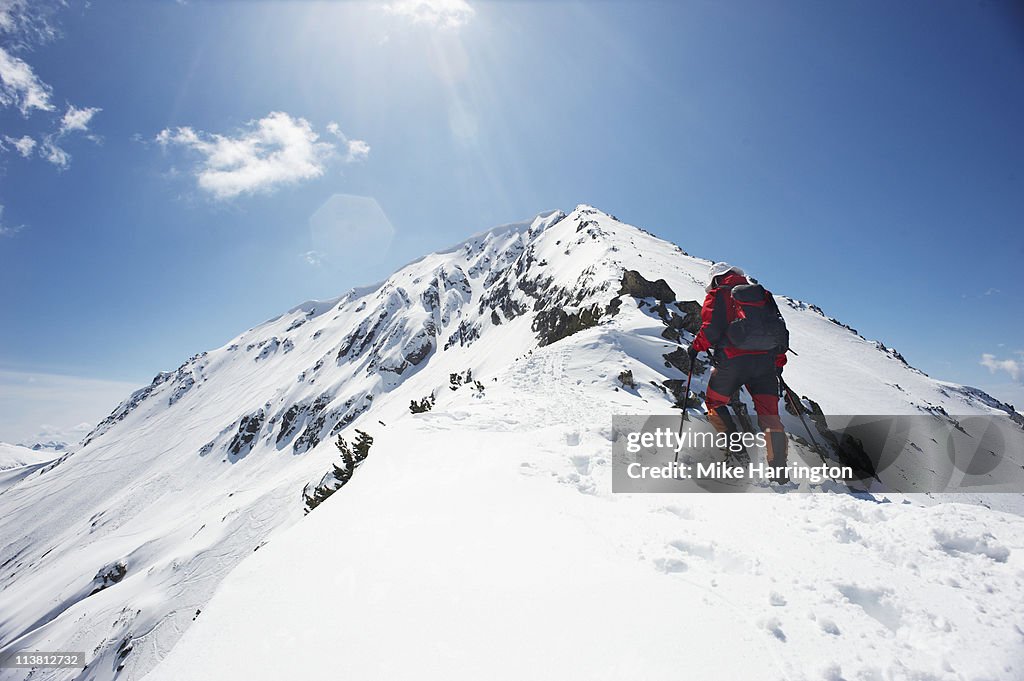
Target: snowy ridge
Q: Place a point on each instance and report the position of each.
(16, 456)
(116, 547)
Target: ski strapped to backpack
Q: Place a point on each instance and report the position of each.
(757, 323)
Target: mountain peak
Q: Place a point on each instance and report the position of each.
(191, 473)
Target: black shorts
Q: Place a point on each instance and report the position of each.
(756, 372)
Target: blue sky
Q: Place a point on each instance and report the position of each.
(864, 156)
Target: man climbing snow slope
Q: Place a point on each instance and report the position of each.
(743, 327)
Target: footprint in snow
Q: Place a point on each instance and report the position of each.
(724, 560)
(669, 565)
(879, 604)
(582, 463)
(586, 485)
(774, 627)
(528, 468)
(960, 544)
(843, 532)
(684, 512)
(828, 626)
(705, 551)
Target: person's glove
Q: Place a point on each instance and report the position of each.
(691, 352)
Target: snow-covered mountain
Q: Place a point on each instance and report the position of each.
(484, 525)
(47, 445)
(17, 461)
(14, 456)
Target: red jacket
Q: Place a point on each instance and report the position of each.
(714, 326)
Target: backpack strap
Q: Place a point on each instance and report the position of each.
(720, 317)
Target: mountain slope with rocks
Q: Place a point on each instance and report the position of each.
(510, 348)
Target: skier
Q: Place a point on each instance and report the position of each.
(743, 326)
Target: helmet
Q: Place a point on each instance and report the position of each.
(718, 269)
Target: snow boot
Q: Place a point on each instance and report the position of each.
(777, 450)
(723, 422)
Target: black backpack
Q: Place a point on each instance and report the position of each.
(758, 324)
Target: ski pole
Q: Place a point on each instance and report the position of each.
(662, 341)
(686, 405)
(799, 409)
(686, 395)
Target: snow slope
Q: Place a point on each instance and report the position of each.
(16, 456)
(474, 544)
(117, 547)
(17, 462)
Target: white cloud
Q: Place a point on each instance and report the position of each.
(313, 258)
(274, 151)
(29, 401)
(24, 23)
(436, 13)
(9, 13)
(53, 153)
(20, 87)
(29, 21)
(355, 150)
(74, 120)
(49, 433)
(77, 119)
(1010, 366)
(25, 144)
(8, 230)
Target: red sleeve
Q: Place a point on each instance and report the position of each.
(700, 341)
